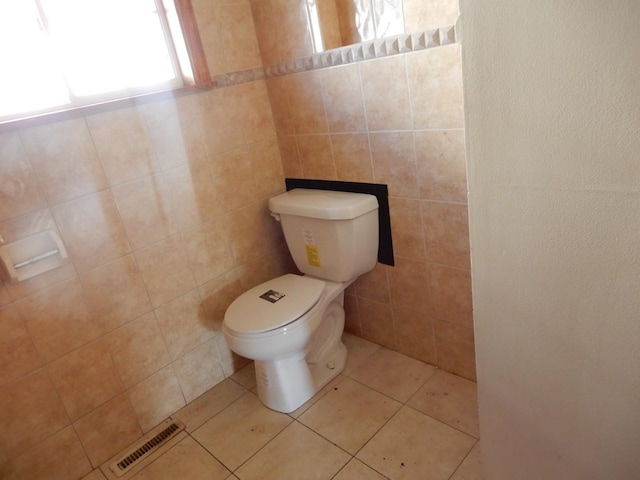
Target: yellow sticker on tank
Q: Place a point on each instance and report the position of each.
(313, 255)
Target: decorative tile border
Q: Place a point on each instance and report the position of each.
(408, 42)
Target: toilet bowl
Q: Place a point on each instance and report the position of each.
(294, 340)
(292, 326)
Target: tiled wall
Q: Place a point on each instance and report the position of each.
(162, 209)
(396, 120)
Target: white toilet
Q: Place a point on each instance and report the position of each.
(292, 325)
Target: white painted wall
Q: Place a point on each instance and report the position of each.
(552, 101)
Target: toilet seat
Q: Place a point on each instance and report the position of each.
(273, 304)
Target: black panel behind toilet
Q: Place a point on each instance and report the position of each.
(385, 243)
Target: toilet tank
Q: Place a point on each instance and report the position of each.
(331, 235)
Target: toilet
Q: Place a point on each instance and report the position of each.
(292, 326)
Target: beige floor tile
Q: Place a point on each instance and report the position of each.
(356, 470)
(187, 460)
(95, 475)
(313, 400)
(450, 399)
(358, 351)
(246, 376)
(415, 446)
(393, 374)
(209, 404)
(350, 414)
(240, 430)
(471, 467)
(297, 453)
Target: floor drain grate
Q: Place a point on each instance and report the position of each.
(138, 453)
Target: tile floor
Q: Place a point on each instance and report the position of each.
(387, 416)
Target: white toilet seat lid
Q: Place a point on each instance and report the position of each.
(273, 304)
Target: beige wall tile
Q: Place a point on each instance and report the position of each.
(193, 195)
(294, 38)
(174, 128)
(408, 282)
(92, 230)
(266, 24)
(406, 227)
(208, 249)
(30, 411)
(107, 430)
(386, 94)
(59, 456)
(222, 127)
(199, 370)
(145, 210)
(316, 157)
(420, 15)
(374, 285)
(65, 160)
(18, 353)
(278, 90)
(233, 179)
(376, 322)
(169, 278)
(156, 398)
(184, 324)
(343, 101)
(138, 349)
(352, 157)
(450, 290)
(415, 334)
(255, 110)
(85, 379)
(19, 193)
(394, 162)
(456, 352)
(352, 322)
(252, 232)
(442, 165)
(123, 144)
(435, 82)
(266, 167)
(238, 37)
(59, 319)
(305, 103)
(218, 294)
(446, 232)
(291, 164)
(115, 293)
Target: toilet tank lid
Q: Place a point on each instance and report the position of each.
(324, 204)
(273, 304)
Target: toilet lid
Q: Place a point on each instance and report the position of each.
(273, 304)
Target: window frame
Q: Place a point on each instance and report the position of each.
(199, 80)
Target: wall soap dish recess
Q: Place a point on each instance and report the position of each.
(31, 256)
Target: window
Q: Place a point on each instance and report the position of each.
(62, 54)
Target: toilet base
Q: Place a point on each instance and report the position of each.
(286, 384)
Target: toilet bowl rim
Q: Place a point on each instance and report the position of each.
(331, 291)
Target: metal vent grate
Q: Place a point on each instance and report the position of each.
(119, 467)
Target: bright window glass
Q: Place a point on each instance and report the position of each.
(61, 53)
